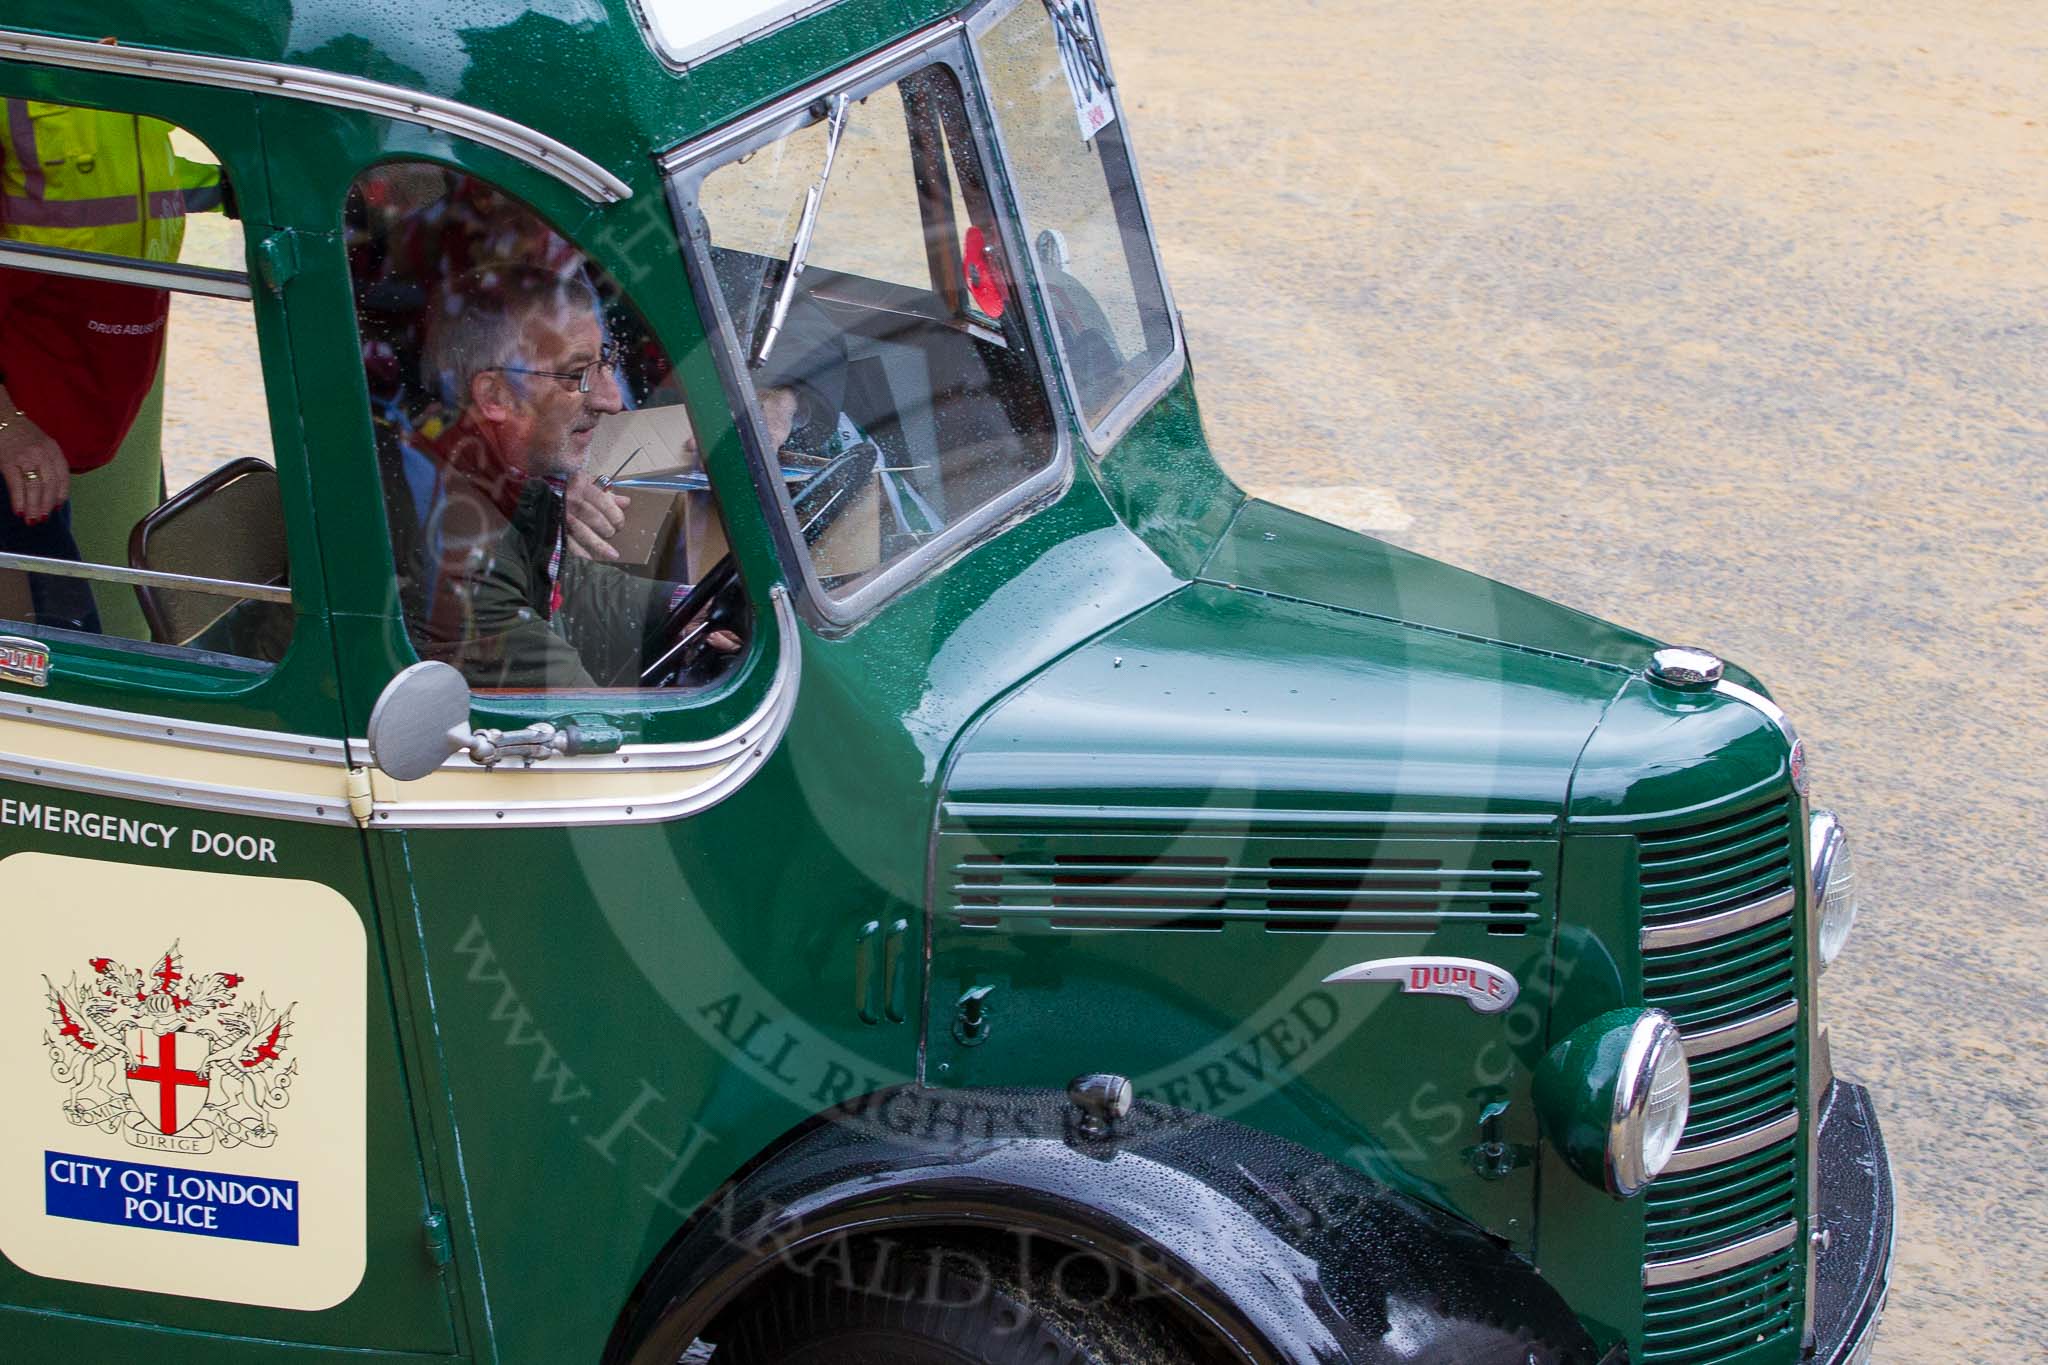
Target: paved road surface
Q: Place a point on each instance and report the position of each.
(1729, 321)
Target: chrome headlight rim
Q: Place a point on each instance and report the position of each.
(1653, 1039)
(1827, 844)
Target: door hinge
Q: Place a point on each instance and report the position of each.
(440, 1246)
(360, 802)
(277, 259)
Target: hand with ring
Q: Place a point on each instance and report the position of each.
(37, 476)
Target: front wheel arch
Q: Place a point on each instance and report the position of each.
(1279, 1255)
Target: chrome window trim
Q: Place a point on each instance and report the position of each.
(1707, 1042)
(1705, 1154)
(1142, 395)
(86, 265)
(116, 573)
(1720, 924)
(314, 86)
(187, 734)
(744, 749)
(688, 166)
(1685, 1269)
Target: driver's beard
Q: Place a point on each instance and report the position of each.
(559, 458)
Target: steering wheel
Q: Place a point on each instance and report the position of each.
(716, 602)
(686, 656)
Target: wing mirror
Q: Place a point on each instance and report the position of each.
(420, 721)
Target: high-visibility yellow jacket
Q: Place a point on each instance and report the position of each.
(87, 180)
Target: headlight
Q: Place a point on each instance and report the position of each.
(1652, 1105)
(1614, 1097)
(1833, 890)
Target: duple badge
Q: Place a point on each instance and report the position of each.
(1483, 986)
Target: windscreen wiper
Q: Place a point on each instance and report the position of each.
(1083, 42)
(800, 249)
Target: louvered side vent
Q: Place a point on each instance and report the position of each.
(1165, 889)
(1720, 943)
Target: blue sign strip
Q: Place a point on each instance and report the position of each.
(199, 1203)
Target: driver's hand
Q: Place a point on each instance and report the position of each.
(25, 450)
(595, 516)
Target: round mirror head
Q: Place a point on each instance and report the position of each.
(421, 719)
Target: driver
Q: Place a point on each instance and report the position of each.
(493, 587)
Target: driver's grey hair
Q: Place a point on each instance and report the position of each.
(480, 321)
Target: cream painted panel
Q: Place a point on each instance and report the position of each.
(210, 1140)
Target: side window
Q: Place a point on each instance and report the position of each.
(135, 450)
(1080, 199)
(893, 370)
(551, 520)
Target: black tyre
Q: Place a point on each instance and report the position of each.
(926, 1305)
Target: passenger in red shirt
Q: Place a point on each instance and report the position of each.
(77, 358)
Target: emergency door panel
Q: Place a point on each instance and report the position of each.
(208, 1123)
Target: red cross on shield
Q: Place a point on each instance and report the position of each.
(167, 1077)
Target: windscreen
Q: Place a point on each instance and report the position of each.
(888, 358)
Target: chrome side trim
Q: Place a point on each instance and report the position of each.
(189, 734)
(281, 805)
(115, 573)
(314, 86)
(1719, 924)
(1707, 1263)
(85, 265)
(1709, 1041)
(725, 761)
(729, 759)
(1729, 1148)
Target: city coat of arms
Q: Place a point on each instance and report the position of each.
(172, 1060)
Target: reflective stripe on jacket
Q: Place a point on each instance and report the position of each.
(87, 180)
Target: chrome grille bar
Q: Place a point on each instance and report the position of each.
(1718, 925)
(1729, 1148)
(1707, 1042)
(1707, 1263)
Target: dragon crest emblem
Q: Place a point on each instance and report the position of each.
(172, 1060)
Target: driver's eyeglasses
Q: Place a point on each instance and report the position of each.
(608, 360)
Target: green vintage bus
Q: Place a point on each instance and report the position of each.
(668, 745)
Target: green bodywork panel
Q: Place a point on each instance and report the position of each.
(1146, 764)
(1179, 831)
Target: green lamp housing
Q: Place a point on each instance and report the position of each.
(1614, 1096)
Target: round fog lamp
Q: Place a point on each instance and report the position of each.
(1614, 1097)
(1833, 892)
